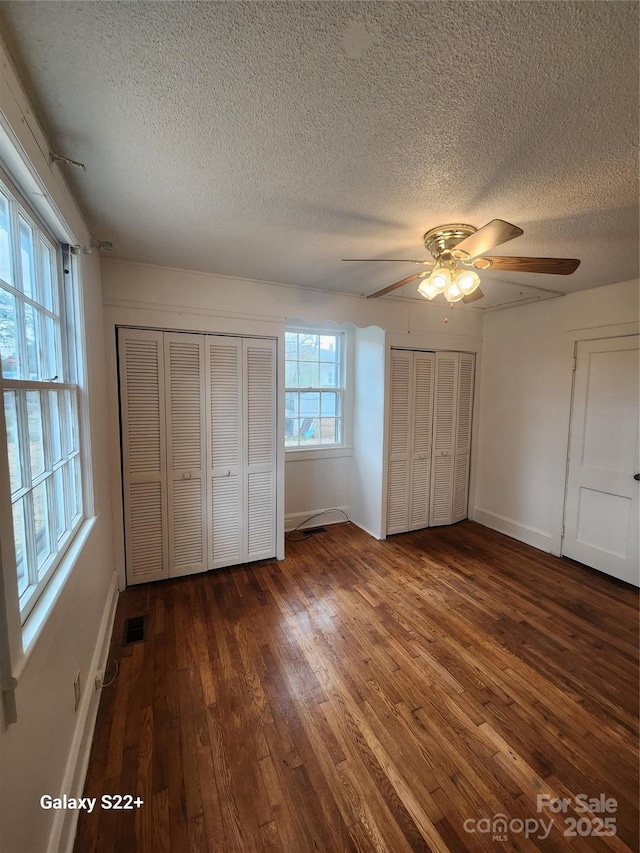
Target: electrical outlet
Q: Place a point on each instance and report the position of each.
(99, 679)
(76, 690)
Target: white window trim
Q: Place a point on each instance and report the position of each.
(344, 447)
(18, 640)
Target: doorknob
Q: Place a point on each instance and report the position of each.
(636, 476)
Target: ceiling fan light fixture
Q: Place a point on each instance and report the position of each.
(467, 281)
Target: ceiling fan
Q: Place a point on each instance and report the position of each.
(459, 250)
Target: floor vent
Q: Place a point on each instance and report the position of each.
(134, 630)
(311, 531)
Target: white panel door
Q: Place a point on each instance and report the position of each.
(602, 505)
(462, 450)
(225, 478)
(142, 416)
(186, 464)
(399, 442)
(259, 370)
(422, 388)
(444, 421)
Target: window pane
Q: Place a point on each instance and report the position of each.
(72, 421)
(309, 430)
(56, 427)
(5, 242)
(60, 524)
(41, 524)
(27, 259)
(328, 348)
(36, 447)
(74, 494)
(291, 404)
(308, 374)
(51, 367)
(309, 404)
(291, 374)
(20, 545)
(329, 404)
(290, 431)
(46, 295)
(291, 345)
(8, 338)
(13, 445)
(329, 431)
(308, 346)
(328, 376)
(32, 335)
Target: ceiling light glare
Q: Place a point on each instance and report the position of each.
(426, 289)
(453, 293)
(466, 281)
(440, 280)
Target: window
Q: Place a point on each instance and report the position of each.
(314, 369)
(40, 399)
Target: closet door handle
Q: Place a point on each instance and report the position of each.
(636, 476)
(186, 476)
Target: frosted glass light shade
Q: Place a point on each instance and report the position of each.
(440, 280)
(467, 281)
(453, 293)
(426, 289)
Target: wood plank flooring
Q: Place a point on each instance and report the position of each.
(372, 696)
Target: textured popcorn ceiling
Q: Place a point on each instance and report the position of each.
(269, 140)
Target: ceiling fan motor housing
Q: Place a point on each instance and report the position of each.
(441, 240)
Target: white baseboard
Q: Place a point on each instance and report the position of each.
(63, 831)
(515, 529)
(322, 517)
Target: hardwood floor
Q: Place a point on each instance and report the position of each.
(372, 696)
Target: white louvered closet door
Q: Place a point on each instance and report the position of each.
(462, 454)
(452, 415)
(259, 371)
(141, 373)
(225, 477)
(398, 489)
(421, 434)
(444, 420)
(186, 463)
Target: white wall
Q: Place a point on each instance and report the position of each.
(525, 405)
(144, 295)
(46, 749)
(368, 471)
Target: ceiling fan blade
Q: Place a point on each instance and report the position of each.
(395, 260)
(395, 286)
(477, 294)
(490, 235)
(553, 266)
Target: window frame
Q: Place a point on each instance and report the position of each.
(63, 310)
(335, 448)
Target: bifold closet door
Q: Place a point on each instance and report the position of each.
(410, 440)
(142, 405)
(260, 447)
(186, 442)
(453, 401)
(227, 518)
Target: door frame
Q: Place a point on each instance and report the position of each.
(621, 330)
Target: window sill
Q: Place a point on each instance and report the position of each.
(292, 454)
